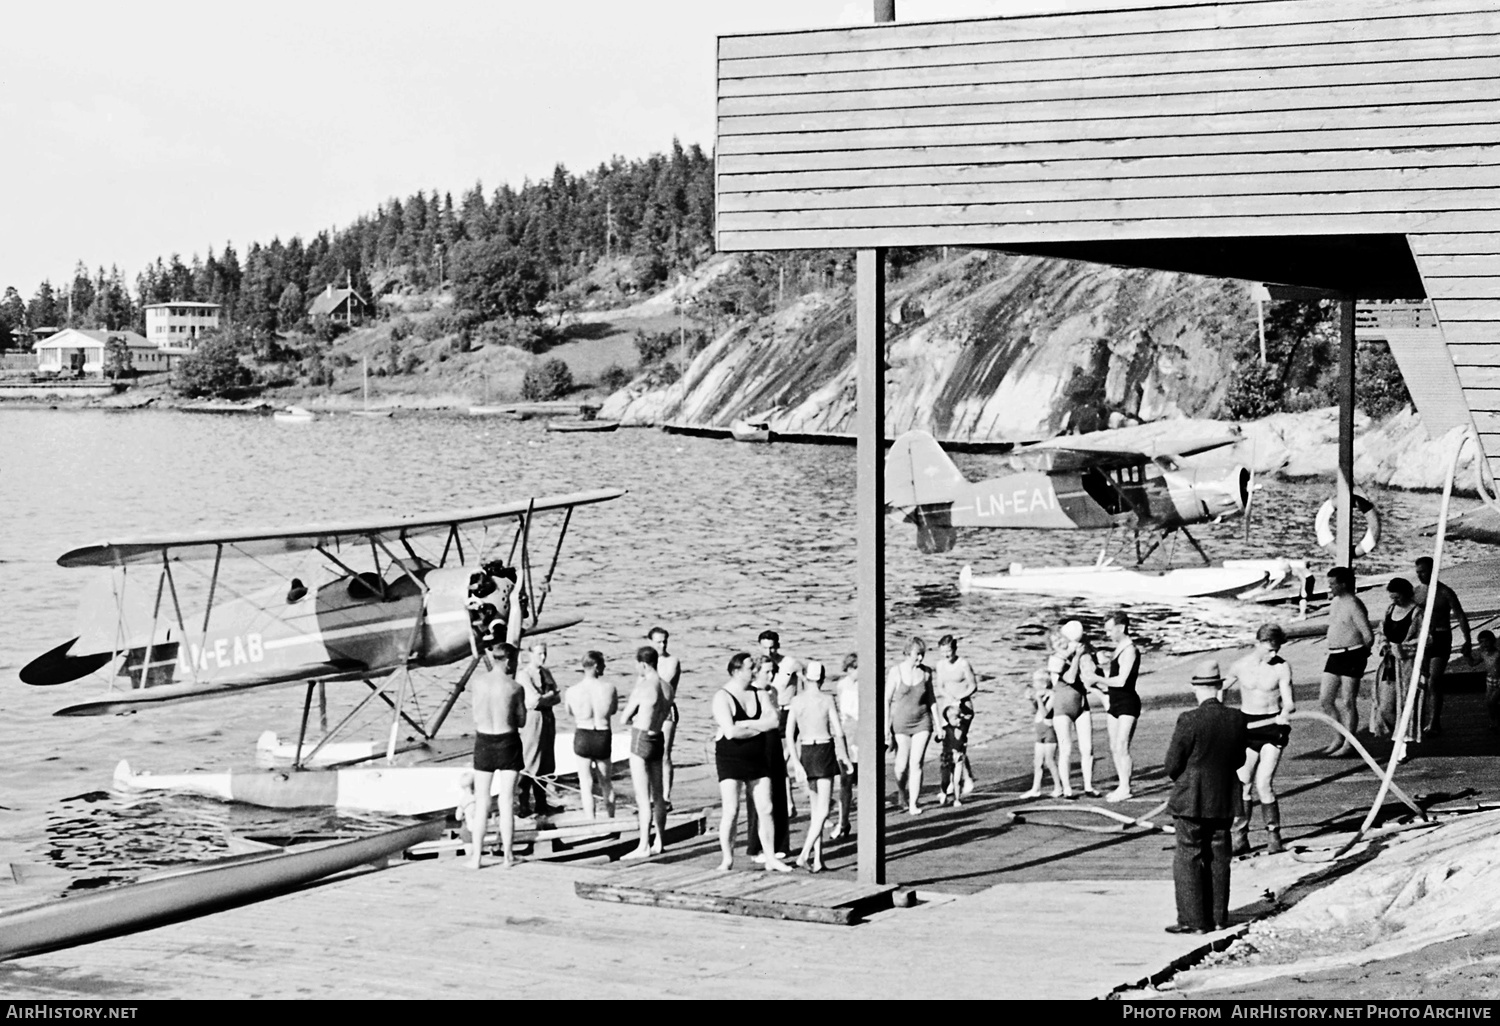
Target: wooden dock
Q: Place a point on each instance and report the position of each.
(807, 898)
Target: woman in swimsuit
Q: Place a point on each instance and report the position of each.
(1070, 705)
(1400, 630)
(1124, 701)
(909, 700)
(742, 719)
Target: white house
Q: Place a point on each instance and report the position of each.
(75, 350)
(178, 325)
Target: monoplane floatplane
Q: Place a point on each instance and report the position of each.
(1080, 482)
(184, 618)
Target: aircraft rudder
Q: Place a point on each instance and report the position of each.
(919, 473)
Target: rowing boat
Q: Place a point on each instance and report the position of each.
(582, 425)
(205, 887)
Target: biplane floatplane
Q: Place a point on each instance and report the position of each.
(1080, 482)
(168, 623)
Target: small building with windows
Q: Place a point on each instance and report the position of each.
(178, 326)
(84, 352)
(343, 305)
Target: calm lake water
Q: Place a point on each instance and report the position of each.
(715, 541)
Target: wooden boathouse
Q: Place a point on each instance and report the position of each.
(1343, 148)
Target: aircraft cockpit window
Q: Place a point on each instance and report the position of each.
(1168, 463)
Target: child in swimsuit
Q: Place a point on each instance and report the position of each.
(1044, 749)
(1489, 658)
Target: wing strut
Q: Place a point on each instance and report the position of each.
(213, 585)
(182, 640)
(528, 593)
(161, 582)
(556, 552)
(458, 689)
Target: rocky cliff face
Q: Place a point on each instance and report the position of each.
(979, 346)
(997, 347)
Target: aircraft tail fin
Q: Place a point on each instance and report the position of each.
(919, 473)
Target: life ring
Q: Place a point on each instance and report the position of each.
(1324, 524)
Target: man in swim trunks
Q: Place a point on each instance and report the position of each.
(499, 713)
(1265, 681)
(591, 702)
(539, 736)
(1350, 639)
(669, 669)
(645, 712)
(1445, 607)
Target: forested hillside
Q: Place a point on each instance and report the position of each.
(504, 252)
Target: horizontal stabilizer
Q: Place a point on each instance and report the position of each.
(57, 666)
(919, 473)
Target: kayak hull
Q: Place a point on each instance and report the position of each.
(1195, 582)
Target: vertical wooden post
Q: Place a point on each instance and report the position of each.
(1343, 516)
(869, 429)
(870, 513)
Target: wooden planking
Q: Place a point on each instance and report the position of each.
(1165, 227)
(1043, 128)
(1463, 288)
(1395, 180)
(1488, 424)
(1208, 168)
(1487, 376)
(1484, 264)
(1438, 246)
(1289, 19)
(761, 894)
(1069, 104)
(1460, 310)
(1428, 82)
(1301, 146)
(1483, 400)
(1407, 209)
(1005, 61)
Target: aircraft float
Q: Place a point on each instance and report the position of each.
(1081, 482)
(389, 596)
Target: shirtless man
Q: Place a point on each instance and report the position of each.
(1349, 642)
(669, 669)
(955, 685)
(1265, 681)
(539, 736)
(499, 713)
(591, 702)
(1445, 608)
(645, 712)
(816, 735)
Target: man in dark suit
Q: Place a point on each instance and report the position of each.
(1203, 760)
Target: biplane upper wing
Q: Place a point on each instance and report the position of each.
(272, 541)
(1081, 452)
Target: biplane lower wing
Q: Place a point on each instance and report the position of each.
(188, 691)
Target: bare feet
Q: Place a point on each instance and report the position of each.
(640, 852)
(476, 862)
(816, 867)
(968, 786)
(957, 803)
(1118, 795)
(656, 847)
(726, 865)
(1057, 793)
(915, 810)
(775, 865)
(1036, 792)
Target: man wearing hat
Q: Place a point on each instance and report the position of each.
(1203, 760)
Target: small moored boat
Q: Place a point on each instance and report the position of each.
(294, 415)
(750, 431)
(582, 425)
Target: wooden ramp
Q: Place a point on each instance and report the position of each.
(799, 896)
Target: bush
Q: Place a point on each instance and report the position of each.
(1380, 388)
(614, 377)
(400, 329)
(528, 334)
(214, 369)
(1254, 391)
(654, 347)
(433, 328)
(326, 329)
(549, 380)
